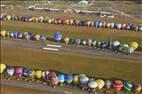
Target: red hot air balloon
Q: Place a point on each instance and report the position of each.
(117, 85)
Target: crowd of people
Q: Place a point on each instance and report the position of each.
(54, 79)
(75, 22)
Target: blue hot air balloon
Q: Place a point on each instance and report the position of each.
(42, 38)
(15, 34)
(61, 78)
(57, 36)
(68, 78)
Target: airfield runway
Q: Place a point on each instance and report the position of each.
(72, 49)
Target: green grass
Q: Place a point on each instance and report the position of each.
(73, 63)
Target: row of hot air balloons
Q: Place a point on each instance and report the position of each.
(116, 46)
(61, 79)
(23, 35)
(96, 23)
(108, 44)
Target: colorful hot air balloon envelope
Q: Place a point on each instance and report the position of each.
(100, 83)
(54, 81)
(89, 42)
(134, 45)
(11, 34)
(137, 88)
(51, 74)
(128, 86)
(94, 42)
(20, 35)
(117, 85)
(115, 43)
(43, 38)
(3, 33)
(108, 84)
(2, 68)
(77, 42)
(15, 34)
(57, 36)
(37, 37)
(84, 80)
(38, 74)
(8, 17)
(83, 42)
(26, 72)
(45, 75)
(61, 78)
(10, 71)
(92, 84)
(66, 40)
(72, 41)
(76, 79)
(68, 78)
(18, 71)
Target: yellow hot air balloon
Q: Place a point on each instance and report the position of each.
(134, 45)
(66, 40)
(38, 74)
(8, 17)
(37, 36)
(3, 33)
(2, 68)
(100, 83)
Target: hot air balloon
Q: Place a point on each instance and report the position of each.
(37, 37)
(108, 84)
(54, 81)
(94, 42)
(76, 80)
(68, 78)
(98, 45)
(118, 26)
(134, 45)
(11, 34)
(108, 25)
(51, 75)
(72, 41)
(137, 88)
(61, 78)
(43, 38)
(83, 42)
(96, 23)
(41, 18)
(7, 34)
(15, 34)
(100, 83)
(3, 33)
(112, 25)
(77, 42)
(115, 46)
(18, 71)
(128, 86)
(9, 72)
(66, 40)
(117, 85)
(38, 74)
(89, 42)
(83, 81)
(8, 17)
(45, 75)
(32, 36)
(92, 84)
(20, 35)
(2, 68)
(57, 36)
(4, 17)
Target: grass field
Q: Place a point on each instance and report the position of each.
(95, 66)
(90, 65)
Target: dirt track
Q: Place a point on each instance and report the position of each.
(41, 87)
(73, 49)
